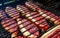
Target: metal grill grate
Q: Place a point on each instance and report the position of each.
(5, 34)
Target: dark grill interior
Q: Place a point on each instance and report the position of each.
(53, 8)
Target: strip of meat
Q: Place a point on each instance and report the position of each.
(56, 35)
(27, 28)
(57, 22)
(20, 37)
(44, 13)
(2, 15)
(9, 24)
(24, 24)
(34, 17)
(52, 33)
(12, 27)
(50, 14)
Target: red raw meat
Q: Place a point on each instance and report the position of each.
(24, 24)
(34, 17)
(10, 25)
(44, 13)
(53, 33)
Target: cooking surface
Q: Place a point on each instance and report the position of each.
(53, 8)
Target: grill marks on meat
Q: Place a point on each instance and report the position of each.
(20, 37)
(12, 12)
(53, 17)
(57, 35)
(25, 26)
(32, 6)
(39, 21)
(48, 15)
(34, 17)
(2, 15)
(53, 33)
(9, 24)
(29, 29)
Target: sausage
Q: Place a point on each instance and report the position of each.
(25, 26)
(56, 35)
(52, 33)
(33, 16)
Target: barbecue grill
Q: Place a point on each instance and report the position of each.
(14, 3)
